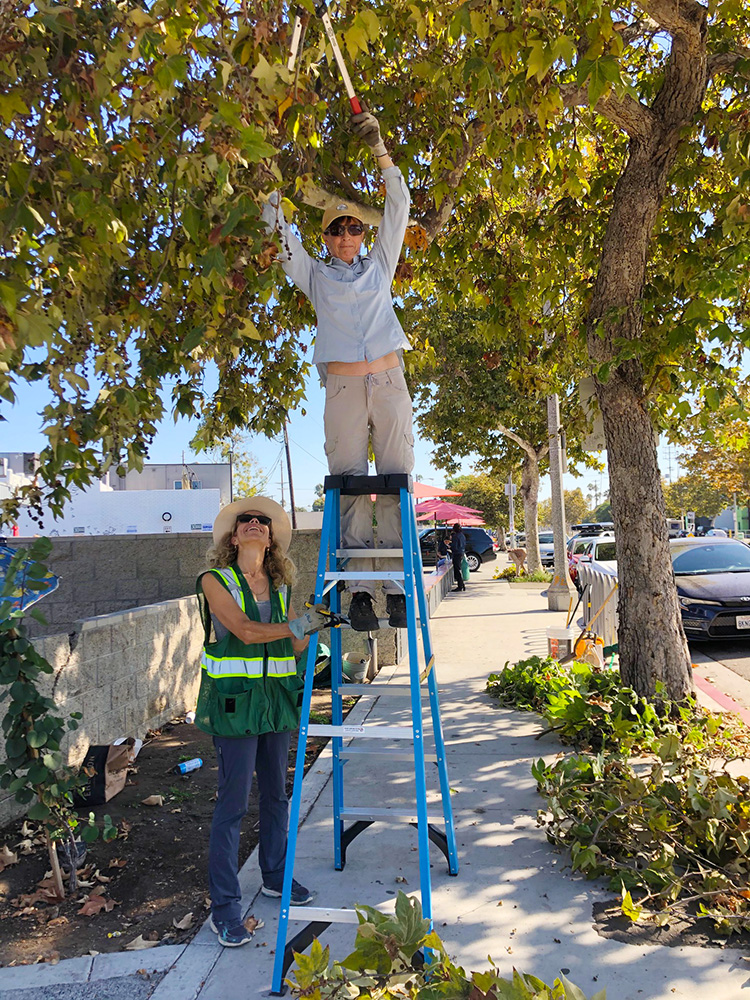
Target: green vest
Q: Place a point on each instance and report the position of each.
(247, 689)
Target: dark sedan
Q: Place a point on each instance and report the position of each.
(713, 584)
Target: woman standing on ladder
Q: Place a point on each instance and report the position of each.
(358, 351)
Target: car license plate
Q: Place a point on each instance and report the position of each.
(743, 621)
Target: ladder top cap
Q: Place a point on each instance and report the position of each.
(361, 485)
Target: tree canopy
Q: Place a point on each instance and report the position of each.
(576, 170)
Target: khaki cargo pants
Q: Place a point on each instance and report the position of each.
(358, 409)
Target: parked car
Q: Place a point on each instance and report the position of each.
(547, 548)
(577, 547)
(602, 554)
(713, 586)
(479, 546)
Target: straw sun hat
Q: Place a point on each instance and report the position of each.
(282, 527)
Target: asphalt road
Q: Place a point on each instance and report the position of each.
(733, 653)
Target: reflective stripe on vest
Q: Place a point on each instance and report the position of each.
(285, 666)
(235, 667)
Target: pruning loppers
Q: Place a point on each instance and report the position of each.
(320, 10)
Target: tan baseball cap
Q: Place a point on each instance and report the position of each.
(338, 211)
(282, 526)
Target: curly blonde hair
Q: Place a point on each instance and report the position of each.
(279, 566)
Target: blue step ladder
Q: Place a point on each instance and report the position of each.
(331, 562)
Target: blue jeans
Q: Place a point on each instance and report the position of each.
(238, 758)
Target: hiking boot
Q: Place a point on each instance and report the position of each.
(299, 897)
(362, 615)
(396, 607)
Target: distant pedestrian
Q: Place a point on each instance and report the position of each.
(458, 551)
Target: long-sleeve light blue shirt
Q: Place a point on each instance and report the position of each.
(353, 302)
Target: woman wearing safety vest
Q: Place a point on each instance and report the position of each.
(250, 695)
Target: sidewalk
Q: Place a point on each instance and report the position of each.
(514, 897)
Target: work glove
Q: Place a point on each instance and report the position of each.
(367, 127)
(272, 213)
(312, 621)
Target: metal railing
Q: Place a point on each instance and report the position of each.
(597, 603)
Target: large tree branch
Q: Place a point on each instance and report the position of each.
(435, 218)
(317, 197)
(535, 453)
(678, 17)
(630, 115)
(726, 62)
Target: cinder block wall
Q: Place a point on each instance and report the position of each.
(126, 672)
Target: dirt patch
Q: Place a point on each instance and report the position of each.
(156, 871)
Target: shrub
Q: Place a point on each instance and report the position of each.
(388, 961)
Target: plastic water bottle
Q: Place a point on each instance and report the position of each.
(190, 717)
(190, 765)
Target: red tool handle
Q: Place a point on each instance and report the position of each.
(356, 106)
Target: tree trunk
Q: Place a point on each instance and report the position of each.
(652, 643)
(650, 636)
(530, 497)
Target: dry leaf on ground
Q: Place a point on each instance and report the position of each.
(118, 862)
(7, 857)
(95, 904)
(252, 924)
(153, 800)
(184, 924)
(139, 943)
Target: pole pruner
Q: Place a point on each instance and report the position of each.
(322, 12)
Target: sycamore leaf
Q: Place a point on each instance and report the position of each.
(184, 923)
(153, 800)
(95, 904)
(139, 943)
(7, 857)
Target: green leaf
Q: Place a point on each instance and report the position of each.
(39, 811)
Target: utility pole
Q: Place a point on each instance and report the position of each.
(289, 469)
(560, 592)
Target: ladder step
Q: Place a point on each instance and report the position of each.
(368, 732)
(313, 914)
(430, 758)
(355, 812)
(370, 553)
(377, 690)
(339, 575)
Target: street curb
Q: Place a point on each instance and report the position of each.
(187, 965)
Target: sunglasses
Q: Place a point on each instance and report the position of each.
(260, 518)
(353, 230)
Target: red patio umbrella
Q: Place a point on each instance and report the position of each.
(443, 510)
(422, 490)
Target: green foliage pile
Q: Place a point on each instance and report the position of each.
(34, 770)
(671, 831)
(538, 576)
(398, 956)
(590, 707)
(676, 832)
